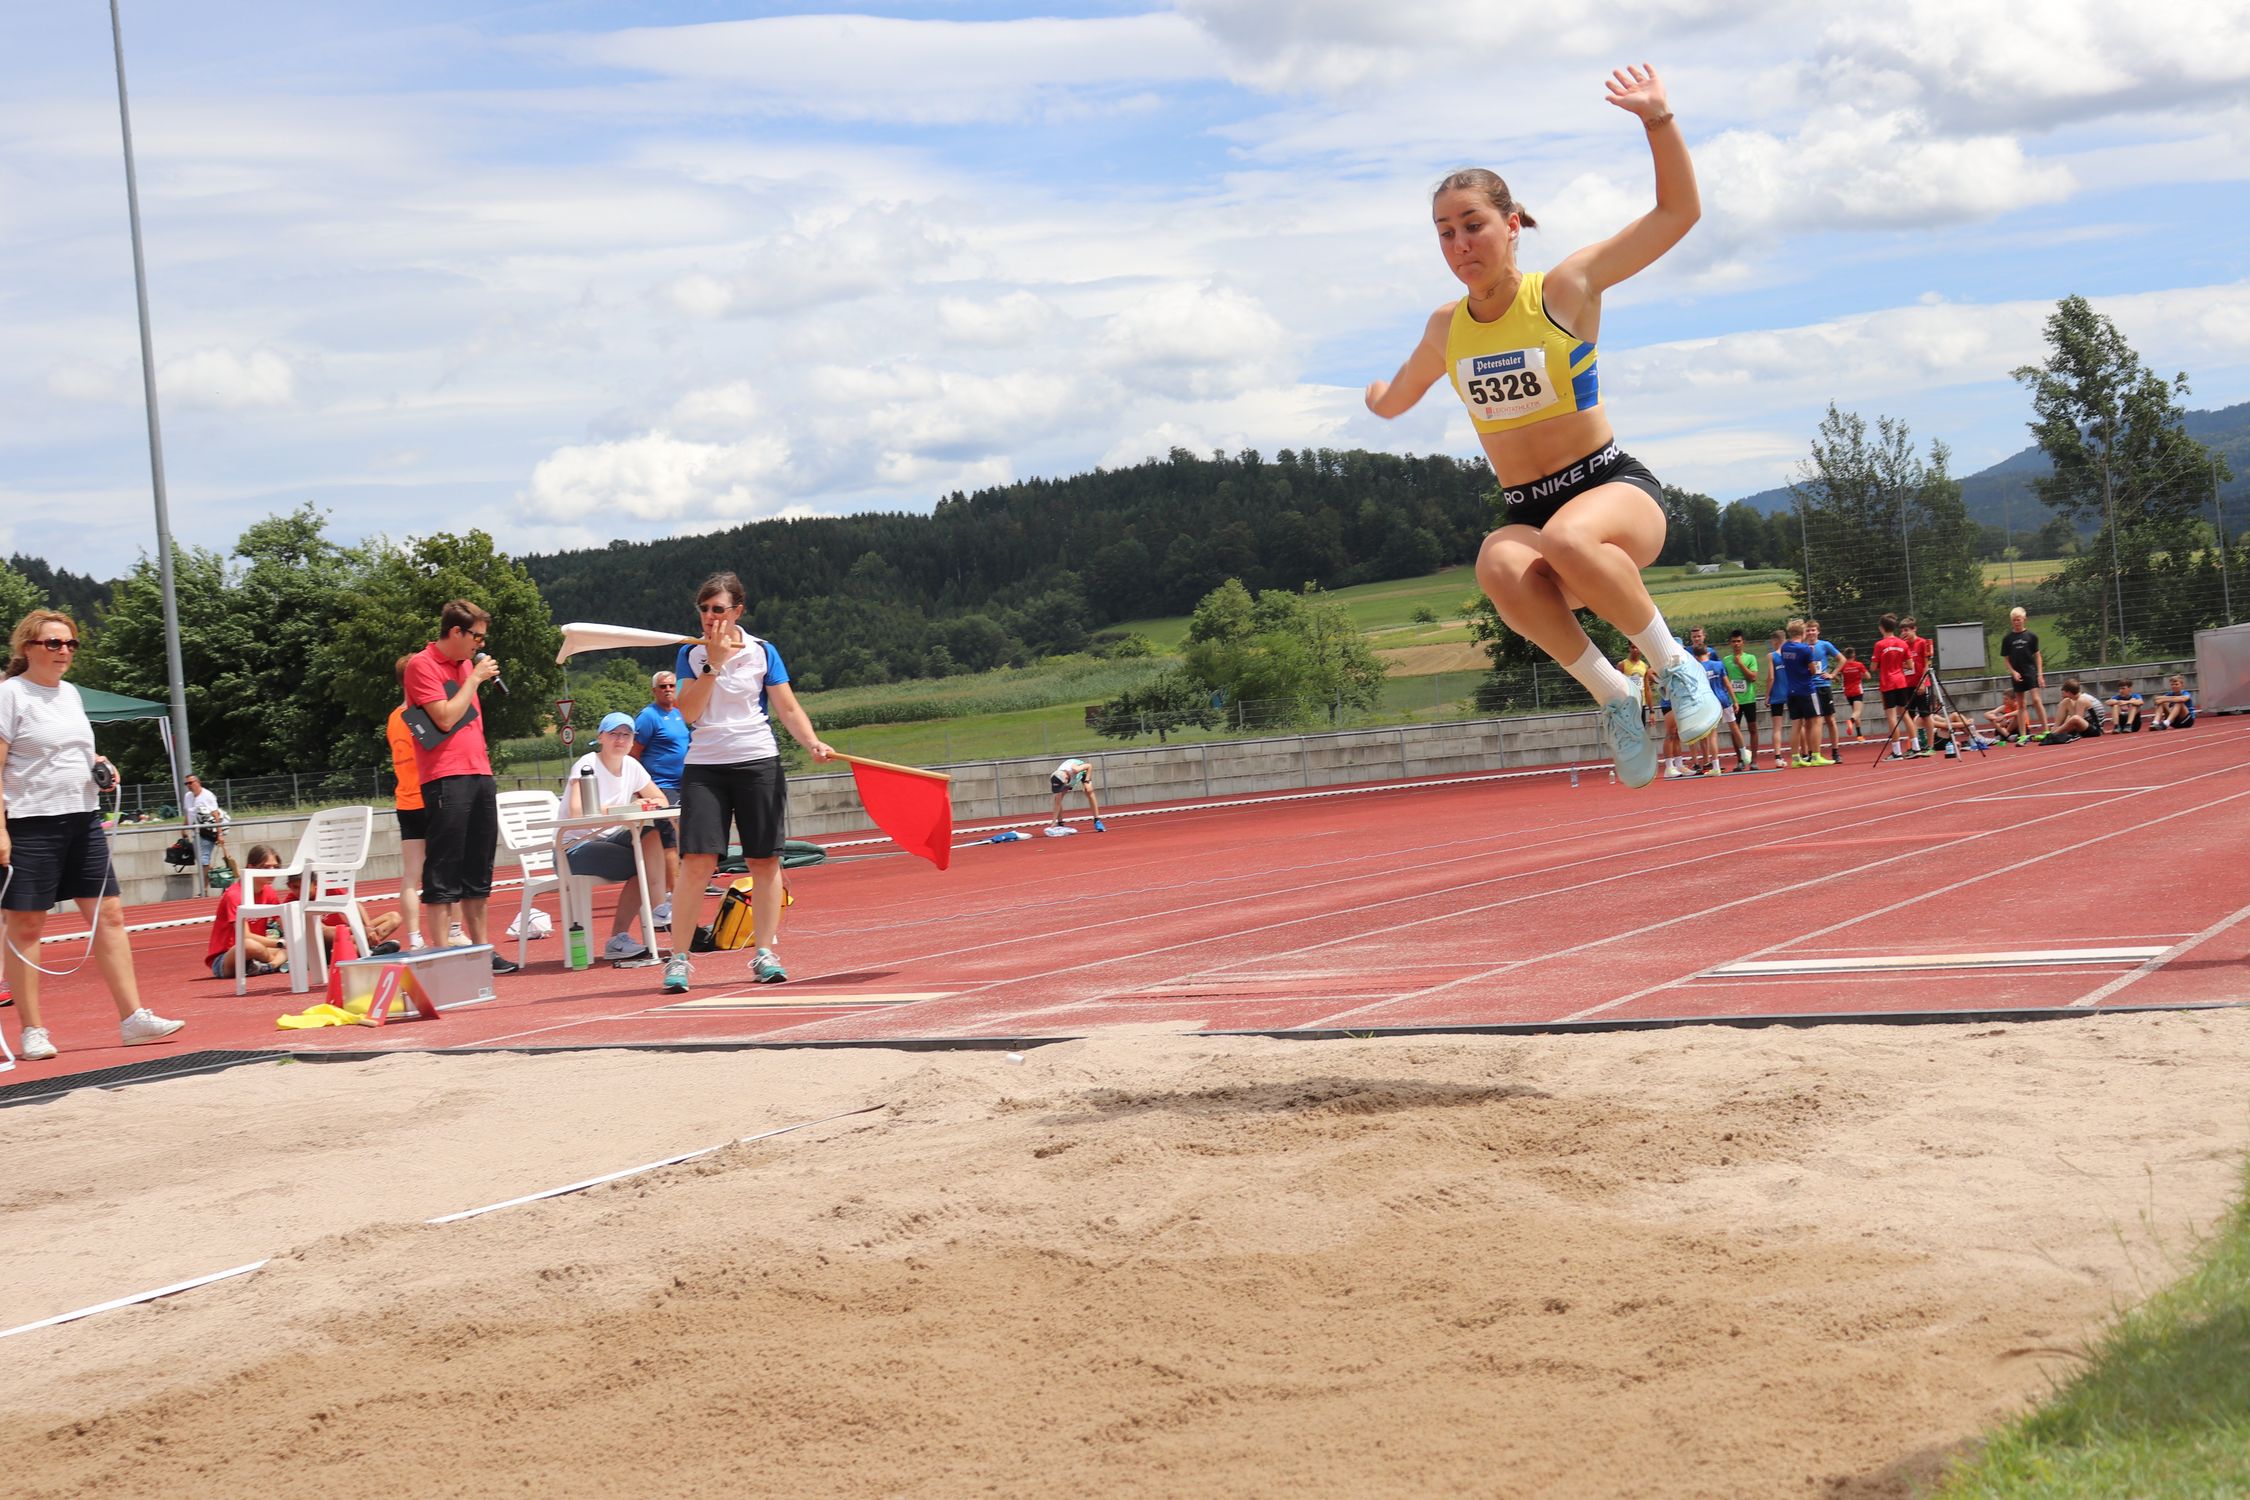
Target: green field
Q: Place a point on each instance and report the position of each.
(1040, 709)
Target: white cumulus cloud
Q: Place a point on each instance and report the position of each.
(659, 477)
(226, 380)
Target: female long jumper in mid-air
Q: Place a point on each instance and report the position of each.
(1582, 516)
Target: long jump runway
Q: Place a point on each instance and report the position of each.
(2026, 881)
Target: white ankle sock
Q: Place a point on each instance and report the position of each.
(1599, 676)
(1656, 642)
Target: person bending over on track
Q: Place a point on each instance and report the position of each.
(1795, 662)
(2027, 674)
(2079, 714)
(732, 686)
(2174, 709)
(1743, 677)
(262, 951)
(1850, 675)
(2125, 708)
(1582, 518)
(1075, 773)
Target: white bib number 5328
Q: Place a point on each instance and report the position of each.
(1498, 387)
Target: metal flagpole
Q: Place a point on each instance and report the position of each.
(180, 753)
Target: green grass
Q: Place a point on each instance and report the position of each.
(2162, 1408)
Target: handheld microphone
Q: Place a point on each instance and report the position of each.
(498, 686)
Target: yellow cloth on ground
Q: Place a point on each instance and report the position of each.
(350, 1013)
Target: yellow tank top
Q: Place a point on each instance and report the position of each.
(1522, 367)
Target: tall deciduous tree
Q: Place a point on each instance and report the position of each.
(19, 596)
(391, 608)
(1882, 529)
(2115, 432)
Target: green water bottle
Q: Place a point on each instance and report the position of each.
(581, 957)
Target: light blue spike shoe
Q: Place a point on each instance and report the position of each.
(1629, 744)
(1694, 708)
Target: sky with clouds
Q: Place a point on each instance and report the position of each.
(578, 270)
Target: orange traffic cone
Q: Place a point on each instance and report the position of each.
(343, 950)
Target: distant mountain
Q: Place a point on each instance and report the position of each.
(2002, 495)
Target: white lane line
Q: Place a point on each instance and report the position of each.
(1900, 961)
(1980, 876)
(2096, 997)
(1761, 895)
(188, 1285)
(573, 1187)
(1701, 839)
(2092, 791)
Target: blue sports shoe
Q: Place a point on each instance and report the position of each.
(1629, 744)
(765, 967)
(1694, 708)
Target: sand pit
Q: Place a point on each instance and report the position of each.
(1697, 1262)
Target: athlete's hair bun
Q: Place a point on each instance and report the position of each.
(1490, 187)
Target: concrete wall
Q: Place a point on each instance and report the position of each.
(998, 791)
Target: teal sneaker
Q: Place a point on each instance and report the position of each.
(1694, 708)
(677, 974)
(766, 968)
(1629, 744)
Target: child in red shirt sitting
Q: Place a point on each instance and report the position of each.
(262, 952)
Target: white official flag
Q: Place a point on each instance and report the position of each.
(580, 636)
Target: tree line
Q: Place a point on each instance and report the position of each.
(1043, 566)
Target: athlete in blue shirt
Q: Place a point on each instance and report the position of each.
(1796, 662)
(1825, 659)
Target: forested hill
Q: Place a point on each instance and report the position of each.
(2002, 495)
(1039, 565)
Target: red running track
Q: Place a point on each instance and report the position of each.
(1467, 903)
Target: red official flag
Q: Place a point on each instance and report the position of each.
(914, 807)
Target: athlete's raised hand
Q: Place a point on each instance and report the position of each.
(1638, 91)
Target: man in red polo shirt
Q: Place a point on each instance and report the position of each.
(457, 787)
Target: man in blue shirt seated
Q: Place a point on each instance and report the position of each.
(660, 744)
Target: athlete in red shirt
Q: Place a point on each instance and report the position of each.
(1851, 674)
(1918, 676)
(1893, 659)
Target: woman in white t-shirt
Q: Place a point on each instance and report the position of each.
(52, 846)
(732, 687)
(606, 777)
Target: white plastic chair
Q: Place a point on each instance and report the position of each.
(329, 857)
(527, 829)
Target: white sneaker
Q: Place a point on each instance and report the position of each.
(624, 945)
(144, 1026)
(35, 1045)
(458, 937)
(416, 943)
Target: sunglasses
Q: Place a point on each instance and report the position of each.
(57, 645)
(713, 609)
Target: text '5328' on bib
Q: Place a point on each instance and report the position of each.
(1501, 387)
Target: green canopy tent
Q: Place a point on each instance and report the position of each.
(116, 708)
